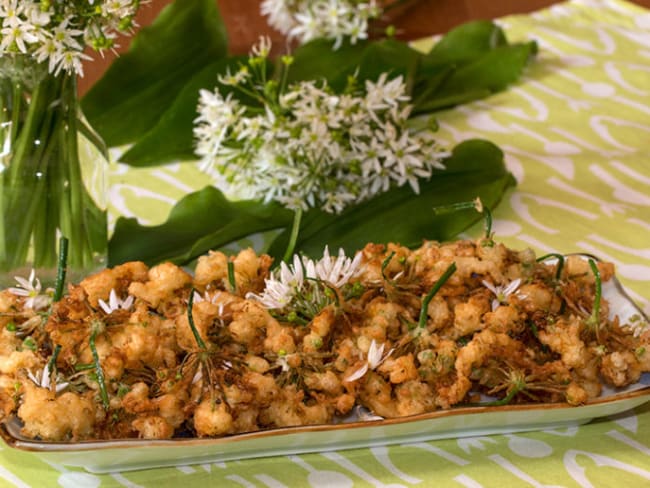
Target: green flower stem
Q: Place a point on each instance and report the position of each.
(560, 263)
(425, 302)
(98, 368)
(23, 209)
(474, 204)
(74, 198)
(231, 277)
(293, 238)
(594, 319)
(51, 364)
(61, 269)
(24, 182)
(42, 194)
(506, 399)
(488, 223)
(385, 264)
(190, 319)
(5, 135)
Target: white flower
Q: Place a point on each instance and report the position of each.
(115, 303)
(375, 358)
(198, 298)
(337, 271)
(31, 288)
(239, 77)
(43, 379)
(501, 293)
(305, 20)
(262, 48)
(299, 287)
(282, 286)
(18, 35)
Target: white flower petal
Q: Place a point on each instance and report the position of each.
(359, 373)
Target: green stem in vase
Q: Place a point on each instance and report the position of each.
(73, 201)
(25, 181)
(43, 192)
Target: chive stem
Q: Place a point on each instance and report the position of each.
(51, 364)
(425, 302)
(594, 319)
(98, 368)
(190, 319)
(385, 264)
(475, 204)
(231, 277)
(505, 400)
(560, 262)
(61, 268)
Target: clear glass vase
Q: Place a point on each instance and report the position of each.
(53, 170)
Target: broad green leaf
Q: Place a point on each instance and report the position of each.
(475, 168)
(388, 56)
(199, 222)
(141, 84)
(465, 43)
(172, 139)
(487, 74)
(316, 60)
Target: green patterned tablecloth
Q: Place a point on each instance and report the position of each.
(576, 133)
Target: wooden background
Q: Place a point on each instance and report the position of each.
(414, 19)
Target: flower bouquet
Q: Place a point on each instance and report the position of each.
(52, 163)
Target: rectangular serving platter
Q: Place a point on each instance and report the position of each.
(352, 432)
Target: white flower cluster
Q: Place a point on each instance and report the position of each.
(305, 20)
(301, 287)
(55, 32)
(310, 147)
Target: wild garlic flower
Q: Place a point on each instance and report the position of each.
(374, 359)
(305, 20)
(301, 289)
(31, 289)
(55, 33)
(501, 293)
(44, 380)
(308, 146)
(115, 303)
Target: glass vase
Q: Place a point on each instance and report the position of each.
(53, 170)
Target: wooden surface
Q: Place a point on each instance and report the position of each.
(417, 18)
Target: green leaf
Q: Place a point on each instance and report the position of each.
(199, 222)
(141, 84)
(172, 138)
(472, 61)
(465, 43)
(475, 168)
(316, 60)
(490, 73)
(388, 56)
